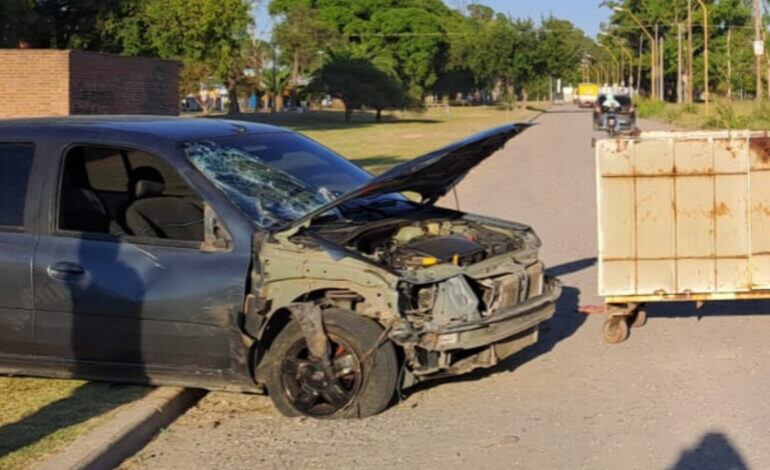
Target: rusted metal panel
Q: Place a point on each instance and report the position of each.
(684, 216)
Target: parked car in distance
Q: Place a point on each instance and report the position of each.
(235, 256)
(624, 113)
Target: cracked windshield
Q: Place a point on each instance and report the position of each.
(275, 178)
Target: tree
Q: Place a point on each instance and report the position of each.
(208, 36)
(301, 35)
(62, 24)
(560, 49)
(356, 82)
(275, 83)
(409, 33)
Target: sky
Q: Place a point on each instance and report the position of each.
(585, 14)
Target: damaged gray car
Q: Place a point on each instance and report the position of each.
(235, 256)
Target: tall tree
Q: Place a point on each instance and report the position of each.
(409, 33)
(208, 36)
(301, 36)
(62, 24)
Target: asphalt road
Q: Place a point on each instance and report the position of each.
(686, 391)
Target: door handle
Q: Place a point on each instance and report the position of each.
(65, 270)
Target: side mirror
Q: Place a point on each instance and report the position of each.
(215, 235)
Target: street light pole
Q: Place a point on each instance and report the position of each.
(625, 51)
(653, 47)
(614, 59)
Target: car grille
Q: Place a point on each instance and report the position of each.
(511, 289)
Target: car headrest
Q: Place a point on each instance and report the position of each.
(147, 182)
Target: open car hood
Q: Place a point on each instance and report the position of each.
(431, 175)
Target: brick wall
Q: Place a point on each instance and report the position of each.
(36, 82)
(112, 84)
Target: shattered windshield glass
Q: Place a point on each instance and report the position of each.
(269, 196)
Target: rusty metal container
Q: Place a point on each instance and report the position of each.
(684, 216)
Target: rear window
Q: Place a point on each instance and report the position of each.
(15, 165)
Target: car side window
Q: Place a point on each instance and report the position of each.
(15, 166)
(126, 192)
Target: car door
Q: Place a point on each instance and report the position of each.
(140, 303)
(17, 240)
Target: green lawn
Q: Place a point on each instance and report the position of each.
(40, 416)
(401, 136)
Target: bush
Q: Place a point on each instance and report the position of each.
(724, 116)
(648, 108)
(761, 111)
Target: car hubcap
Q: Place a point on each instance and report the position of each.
(315, 388)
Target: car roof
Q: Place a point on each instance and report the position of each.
(160, 127)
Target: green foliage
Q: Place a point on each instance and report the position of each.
(356, 82)
(409, 34)
(725, 18)
(194, 31)
(62, 24)
(724, 116)
(648, 108)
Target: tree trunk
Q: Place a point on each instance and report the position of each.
(348, 112)
(378, 116)
(278, 101)
(295, 78)
(232, 94)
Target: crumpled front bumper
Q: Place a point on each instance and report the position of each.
(462, 347)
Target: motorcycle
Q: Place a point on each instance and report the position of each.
(612, 123)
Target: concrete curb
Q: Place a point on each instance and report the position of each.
(127, 432)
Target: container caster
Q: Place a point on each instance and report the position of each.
(615, 330)
(639, 318)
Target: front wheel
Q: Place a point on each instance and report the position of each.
(360, 382)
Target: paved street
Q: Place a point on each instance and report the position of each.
(686, 391)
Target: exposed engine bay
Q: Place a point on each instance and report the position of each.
(405, 245)
(438, 259)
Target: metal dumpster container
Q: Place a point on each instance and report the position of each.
(681, 216)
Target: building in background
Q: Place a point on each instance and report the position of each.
(45, 82)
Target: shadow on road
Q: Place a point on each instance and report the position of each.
(709, 309)
(569, 111)
(713, 451)
(565, 322)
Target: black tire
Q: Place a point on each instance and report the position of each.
(375, 376)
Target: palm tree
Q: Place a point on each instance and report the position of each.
(275, 81)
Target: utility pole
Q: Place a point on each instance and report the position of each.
(758, 46)
(689, 53)
(729, 64)
(655, 71)
(706, 94)
(679, 63)
(639, 67)
(661, 70)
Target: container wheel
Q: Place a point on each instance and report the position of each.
(615, 330)
(639, 318)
